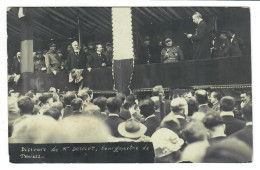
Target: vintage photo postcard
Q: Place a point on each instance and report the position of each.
(129, 84)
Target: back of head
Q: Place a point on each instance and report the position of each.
(195, 131)
(230, 150)
(68, 97)
(34, 129)
(121, 96)
(83, 129)
(157, 90)
(25, 105)
(201, 96)
(76, 104)
(247, 111)
(85, 94)
(216, 95)
(227, 104)
(114, 104)
(146, 107)
(53, 112)
(58, 105)
(101, 102)
(45, 97)
(179, 106)
(192, 105)
(210, 121)
(156, 101)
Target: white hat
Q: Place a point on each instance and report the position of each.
(165, 142)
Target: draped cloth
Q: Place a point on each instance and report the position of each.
(75, 75)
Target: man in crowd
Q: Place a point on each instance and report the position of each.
(214, 46)
(246, 134)
(151, 121)
(233, 125)
(202, 99)
(25, 105)
(109, 54)
(214, 99)
(245, 98)
(113, 105)
(39, 62)
(200, 38)
(68, 97)
(167, 103)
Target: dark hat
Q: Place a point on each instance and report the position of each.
(211, 120)
(59, 51)
(109, 44)
(51, 44)
(131, 128)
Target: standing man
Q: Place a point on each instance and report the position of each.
(97, 59)
(200, 39)
(76, 59)
(237, 44)
(52, 60)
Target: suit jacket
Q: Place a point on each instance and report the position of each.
(77, 61)
(216, 107)
(52, 61)
(224, 48)
(236, 45)
(113, 122)
(152, 124)
(201, 42)
(245, 135)
(233, 125)
(206, 109)
(95, 60)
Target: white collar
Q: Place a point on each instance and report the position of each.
(233, 36)
(249, 123)
(153, 115)
(113, 114)
(179, 117)
(200, 21)
(206, 104)
(227, 114)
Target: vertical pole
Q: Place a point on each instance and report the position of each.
(122, 48)
(27, 65)
(79, 30)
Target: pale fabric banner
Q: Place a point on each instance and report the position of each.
(122, 33)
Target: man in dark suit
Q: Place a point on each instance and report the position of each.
(233, 125)
(246, 134)
(202, 99)
(214, 99)
(113, 105)
(201, 38)
(97, 59)
(152, 122)
(76, 59)
(237, 45)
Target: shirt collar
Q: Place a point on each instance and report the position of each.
(203, 105)
(113, 115)
(150, 117)
(179, 117)
(227, 114)
(249, 123)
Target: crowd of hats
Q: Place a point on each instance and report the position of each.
(77, 117)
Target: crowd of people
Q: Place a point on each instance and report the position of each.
(192, 127)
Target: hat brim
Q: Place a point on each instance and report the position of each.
(124, 133)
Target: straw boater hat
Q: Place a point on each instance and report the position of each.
(131, 128)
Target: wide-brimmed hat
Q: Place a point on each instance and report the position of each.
(131, 128)
(165, 142)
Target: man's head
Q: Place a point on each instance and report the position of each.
(76, 104)
(215, 97)
(99, 48)
(114, 104)
(109, 47)
(52, 46)
(39, 54)
(85, 48)
(91, 46)
(69, 48)
(147, 41)
(25, 105)
(244, 97)
(201, 96)
(68, 97)
(53, 112)
(247, 111)
(196, 17)
(168, 42)
(75, 45)
(179, 106)
(86, 94)
(147, 107)
(121, 96)
(223, 35)
(157, 90)
(46, 98)
(59, 52)
(101, 102)
(214, 123)
(18, 55)
(227, 104)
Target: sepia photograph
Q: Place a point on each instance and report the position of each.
(129, 84)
